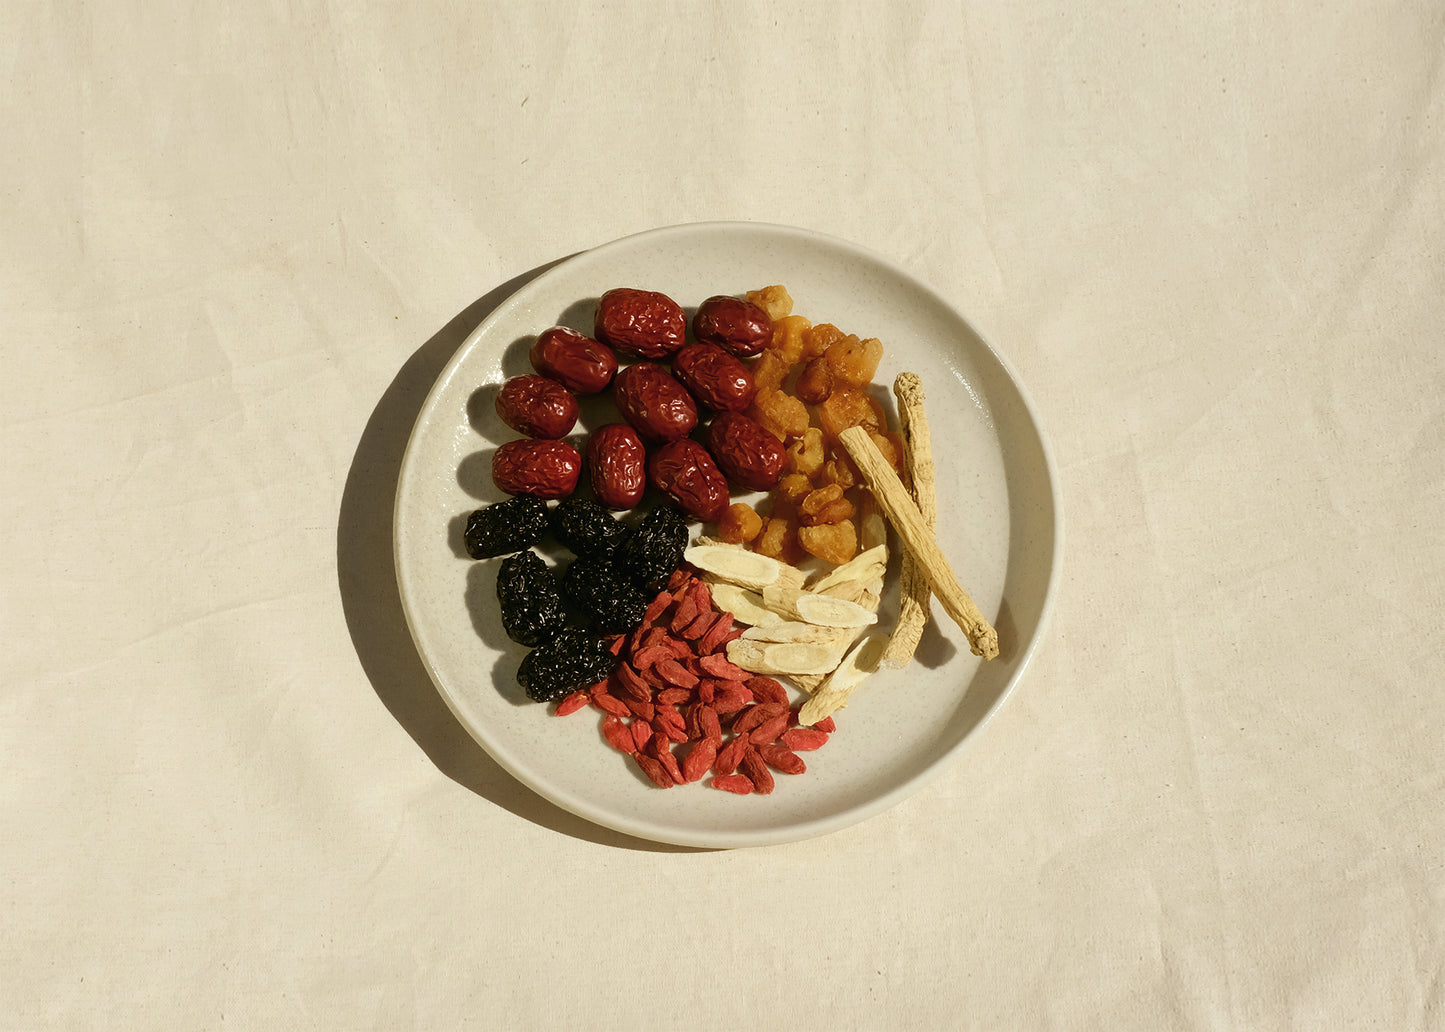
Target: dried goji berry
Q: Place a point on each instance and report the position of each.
(611, 704)
(698, 627)
(780, 757)
(708, 723)
(655, 771)
(731, 697)
(641, 732)
(654, 609)
(650, 655)
(719, 667)
(730, 755)
(769, 730)
(757, 771)
(699, 759)
(572, 703)
(643, 709)
(735, 783)
(684, 614)
(615, 644)
(662, 753)
(826, 725)
(804, 739)
(618, 734)
(767, 689)
(675, 673)
(633, 685)
(672, 696)
(711, 639)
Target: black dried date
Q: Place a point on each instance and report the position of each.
(531, 603)
(505, 527)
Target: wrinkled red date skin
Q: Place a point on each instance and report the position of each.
(640, 323)
(536, 406)
(738, 327)
(748, 455)
(616, 465)
(574, 360)
(685, 472)
(547, 469)
(654, 403)
(715, 378)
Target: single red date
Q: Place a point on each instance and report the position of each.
(574, 360)
(546, 469)
(640, 323)
(715, 378)
(685, 472)
(654, 403)
(616, 465)
(738, 327)
(536, 406)
(747, 454)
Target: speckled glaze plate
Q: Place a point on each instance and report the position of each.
(999, 524)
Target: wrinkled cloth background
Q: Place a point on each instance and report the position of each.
(239, 246)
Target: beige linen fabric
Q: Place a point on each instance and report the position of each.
(241, 240)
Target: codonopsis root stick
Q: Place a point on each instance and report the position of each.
(913, 591)
(919, 541)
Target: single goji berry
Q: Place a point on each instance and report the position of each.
(730, 755)
(731, 697)
(618, 734)
(572, 703)
(826, 725)
(673, 696)
(643, 709)
(708, 723)
(757, 771)
(780, 757)
(611, 704)
(649, 656)
(804, 739)
(719, 667)
(767, 689)
(615, 643)
(684, 614)
(654, 609)
(769, 730)
(675, 673)
(699, 758)
(631, 684)
(641, 732)
(698, 627)
(735, 783)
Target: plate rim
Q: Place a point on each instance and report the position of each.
(798, 830)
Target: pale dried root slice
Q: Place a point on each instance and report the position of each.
(782, 600)
(835, 638)
(746, 606)
(919, 541)
(869, 595)
(865, 566)
(735, 565)
(829, 611)
(783, 657)
(832, 694)
(808, 682)
(913, 590)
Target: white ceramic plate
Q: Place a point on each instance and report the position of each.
(999, 524)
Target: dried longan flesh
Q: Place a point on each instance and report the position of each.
(788, 337)
(819, 338)
(782, 415)
(778, 540)
(805, 453)
(851, 407)
(815, 383)
(794, 487)
(854, 361)
(740, 524)
(834, 542)
(769, 371)
(774, 300)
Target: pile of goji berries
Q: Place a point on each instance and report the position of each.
(681, 710)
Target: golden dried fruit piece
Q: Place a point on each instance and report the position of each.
(774, 300)
(788, 337)
(841, 471)
(779, 540)
(854, 361)
(826, 505)
(833, 542)
(739, 524)
(805, 454)
(850, 407)
(818, 339)
(769, 371)
(794, 488)
(782, 415)
(815, 383)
